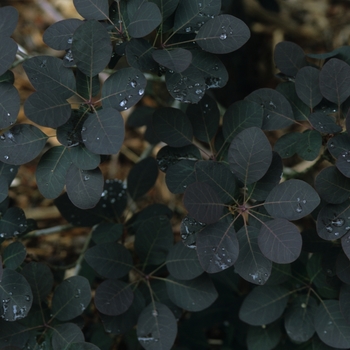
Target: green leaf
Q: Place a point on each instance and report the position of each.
(263, 338)
(8, 172)
(110, 259)
(324, 123)
(309, 145)
(144, 20)
(331, 325)
(40, 279)
(183, 263)
(47, 73)
(66, 334)
(12, 223)
(193, 295)
(217, 247)
(21, 144)
(138, 53)
(59, 35)
(178, 176)
(299, 320)
(84, 187)
(113, 297)
(10, 104)
(4, 187)
(107, 232)
(71, 298)
(13, 335)
(204, 117)
(173, 127)
(156, 327)
(142, 177)
(278, 113)
(7, 77)
(286, 146)
(239, 116)
(250, 155)
(334, 81)
(251, 264)
(91, 47)
(332, 185)
(292, 200)
(52, 170)
(263, 305)
(223, 34)
(8, 49)
(92, 9)
(16, 296)
(153, 240)
(203, 203)
(176, 60)
(13, 255)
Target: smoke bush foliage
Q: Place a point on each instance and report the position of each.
(264, 252)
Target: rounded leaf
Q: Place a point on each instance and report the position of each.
(66, 334)
(10, 104)
(71, 298)
(8, 19)
(176, 60)
(263, 338)
(13, 255)
(92, 9)
(8, 49)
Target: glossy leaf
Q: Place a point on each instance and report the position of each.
(204, 117)
(299, 320)
(289, 58)
(218, 176)
(285, 239)
(188, 86)
(217, 247)
(223, 34)
(8, 49)
(91, 48)
(110, 259)
(339, 144)
(21, 144)
(40, 279)
(123, 89)
(278, 112)
(8, 19)
(261, 189)
(332, 185)
(153, 240)
(203, 203)
(263, 305)
(66, 334)
(92, 9)
(12, 223)
(333, 221)
(84, 187)
(138, 53)
(173, 127)
(286, 145)
(142, 177)
(176, 60)
(59, 35)
(193, 295)
(179, 176)
(14, 255)
(107, 232)
(307, 86)
(239, 116)
(16, 296)
(250, 155)
(144, 20)
(334, 81)
(251, 264)
(103, 131)
(84, 159)
(10, 103)
(343, 163)
(331, 326)
(309, 145)
(183, 263)
(47, 73)
(189, 229)
(324, 123)
(52, 170)
(291, 200)
(263, 338)
(156, 327)
(113, 297)
(71, 298)
(213, 70)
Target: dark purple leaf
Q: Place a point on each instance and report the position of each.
(10, 104)
(203, 203)
(324, 123)
(139, 55)
(344, 301)
(280, 241)
(12, 223)
(286, 145)
(179, 176)
(8, 50)
(292, 200)
(343, 268)
(339, 144)
(345, 243)
(250, 155)
(266, 337)
(335, 81)
(8, 20)
(113, 297)
(66, 334)
(176, 60)
(223, 34)
(289, 58)
(87, 87)
(309, 145)
(14, 255)
(92, 9)
(217, 247)
(84, 159)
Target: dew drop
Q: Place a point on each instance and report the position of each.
(223, 36)
(83, 129)
(141, 92)
(188, 29)
(123, 102)
(2, 137)
(86, 177)
(154, 313)
(69, 56)
(6, 157)
(329, 229)
(27, 297)
(339, 222)
(70, 40)
(199, 91)
(272, 105)
(133, 83)
(299, 209)
(43, 64)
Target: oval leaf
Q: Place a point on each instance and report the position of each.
(92, 9)
(176, 60)
(10, 104)
(13, 255)
(66, 334)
